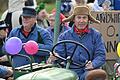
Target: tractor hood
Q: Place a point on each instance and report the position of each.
(50, 74)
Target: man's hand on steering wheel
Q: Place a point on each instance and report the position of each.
(89, 66)
(52, 58)
(69, 59)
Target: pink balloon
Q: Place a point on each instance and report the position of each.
(31, 47)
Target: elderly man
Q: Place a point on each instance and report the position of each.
(88, 36)
(29, 30)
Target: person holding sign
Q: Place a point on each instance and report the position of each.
(30, 30)
(91, 38)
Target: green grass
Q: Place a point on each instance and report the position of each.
(49, 7)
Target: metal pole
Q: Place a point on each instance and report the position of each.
(57, 21)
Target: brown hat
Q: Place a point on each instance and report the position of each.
(79, 10)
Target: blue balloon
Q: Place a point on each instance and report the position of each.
(13, 45)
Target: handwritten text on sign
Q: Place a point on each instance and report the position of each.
(109, 27)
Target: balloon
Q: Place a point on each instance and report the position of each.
(13, 45)
(118, 49)
(31, 47)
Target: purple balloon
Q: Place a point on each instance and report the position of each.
(13, 45)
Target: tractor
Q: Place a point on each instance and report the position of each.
(109, 27)
(60, 70)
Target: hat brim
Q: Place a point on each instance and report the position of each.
(3, 26)
(71, 18)
(92, 19)
(28, 15)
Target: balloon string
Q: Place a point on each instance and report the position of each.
(23, 44)
(32, 58)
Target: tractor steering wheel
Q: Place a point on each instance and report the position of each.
(69, 58)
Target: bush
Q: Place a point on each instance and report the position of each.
(46, 1)
(49, 7)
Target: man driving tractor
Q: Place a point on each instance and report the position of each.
(83, 33)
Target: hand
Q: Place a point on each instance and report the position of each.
(52, 58)
(89, 66)
(10, 71)
(3, 58)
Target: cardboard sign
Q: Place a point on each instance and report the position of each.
(110, 28)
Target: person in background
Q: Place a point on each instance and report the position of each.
(100, 5)
(30, 30)
(91, 38)
(96, 5)
(5, 71)
(42, 16)
(106, 5)
(4, 29)
(63, 26)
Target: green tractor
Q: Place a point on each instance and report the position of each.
(42, 71)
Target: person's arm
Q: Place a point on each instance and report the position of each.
(58, 50)
(5, 72)
(47, 42)
(99, 53)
